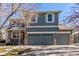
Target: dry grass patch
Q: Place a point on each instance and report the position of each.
(18, 51)
(2, 50)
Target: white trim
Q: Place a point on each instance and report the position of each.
(60, 27)
(47, 18)
(75, 33)
(39, 26)
(36, 19)
(47, 32)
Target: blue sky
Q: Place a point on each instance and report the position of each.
(64, 7)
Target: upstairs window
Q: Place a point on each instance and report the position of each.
(49, 18)
(34, 19)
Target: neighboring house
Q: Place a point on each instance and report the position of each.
(1, 36)
(15, 33)
(4, 34)
(44, 29)
(76, 34)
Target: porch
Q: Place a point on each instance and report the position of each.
(15, 36)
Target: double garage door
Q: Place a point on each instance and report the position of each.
(48, 39)
(40, 39)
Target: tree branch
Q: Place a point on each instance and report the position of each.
(10, 16)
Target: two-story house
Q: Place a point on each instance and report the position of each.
(44, 29)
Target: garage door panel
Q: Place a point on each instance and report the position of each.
(42, 39)
(63, 39)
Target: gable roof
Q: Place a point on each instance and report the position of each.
(55, 12)
(48, 12)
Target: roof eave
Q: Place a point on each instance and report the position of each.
(65, 28)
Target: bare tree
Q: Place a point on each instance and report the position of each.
(22, 10)
(9, 10)
(73, 17)
(28, 15)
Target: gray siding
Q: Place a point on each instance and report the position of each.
(42, 29)
(47, 39)
(42, 20)
(51, 29)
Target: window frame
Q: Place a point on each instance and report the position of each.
(53, 20)
(36, 19)
(16, 35)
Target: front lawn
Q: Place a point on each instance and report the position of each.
(39, 50)
(2, 50)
